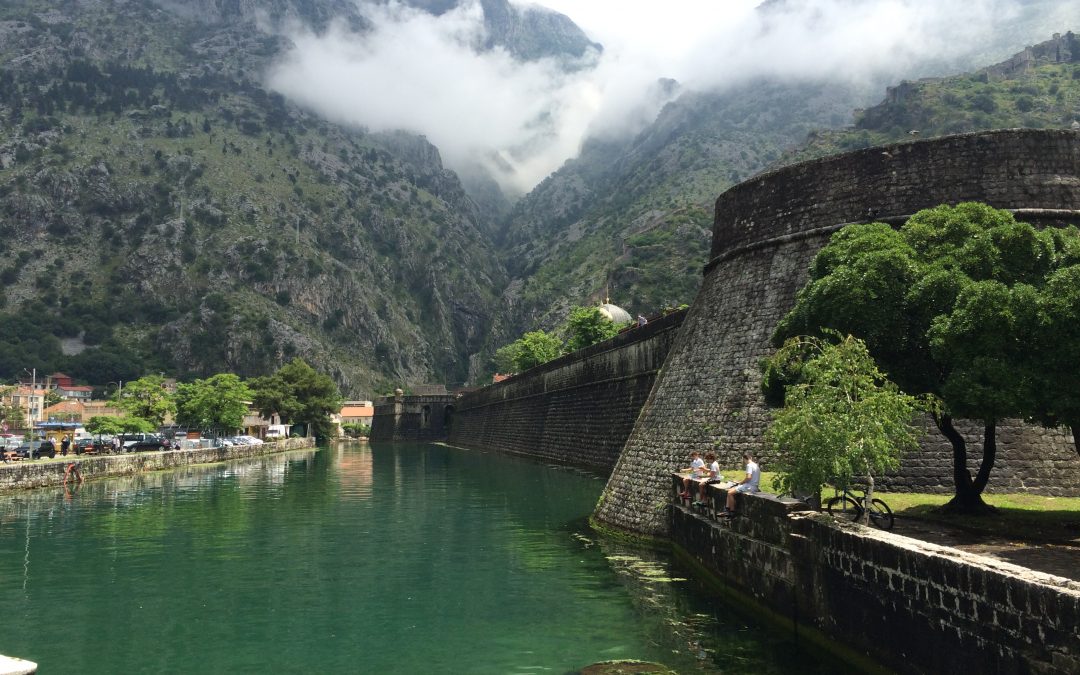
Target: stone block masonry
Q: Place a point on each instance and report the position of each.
(413, 418)
(766, 232)
(911, 606)
(30, 474)
(577, 409)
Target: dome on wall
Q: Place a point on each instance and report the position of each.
(615, 313)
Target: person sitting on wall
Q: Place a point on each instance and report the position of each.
(749, 483)
(713, 476)
(696, 471)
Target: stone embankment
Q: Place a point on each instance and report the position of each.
(578, 409)
(912, 606)
(36, 474)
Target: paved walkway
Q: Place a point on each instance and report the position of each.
(1061, 559)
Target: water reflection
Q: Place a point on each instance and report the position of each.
(403, 558)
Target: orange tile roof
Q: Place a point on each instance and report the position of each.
(358, 411)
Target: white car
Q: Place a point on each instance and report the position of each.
(246, 440)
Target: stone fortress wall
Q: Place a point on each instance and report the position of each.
(421, 417)
(766, 232)
(578, 409)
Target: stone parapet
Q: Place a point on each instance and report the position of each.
(577, 409)
(36, 474)
(909, 605)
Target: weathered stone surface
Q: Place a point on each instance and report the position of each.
(765, 234)
(413, 418)
(28, 474)
(577, 409)
(912, 606)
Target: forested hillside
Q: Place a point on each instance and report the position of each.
(161, 211)
(631, 219)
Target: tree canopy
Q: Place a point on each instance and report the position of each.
(146, 398)
(219, 402)
(300, 395)
(119, 425)
(963, 303)
(531, 349)
(842, 417)
(586, 326)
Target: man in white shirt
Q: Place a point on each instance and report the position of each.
(748, 484)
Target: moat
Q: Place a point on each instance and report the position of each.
(393, 558)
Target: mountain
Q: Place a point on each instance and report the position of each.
(1037, 88)
(162, 211)
(630, 219)
(159, 210)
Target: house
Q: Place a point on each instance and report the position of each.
(256, 425)
(65, 411)
(357, 412)
(64, 386)
(76, 392)
(31, 400)
(100, 409)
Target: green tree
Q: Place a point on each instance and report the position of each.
(587, 326)
(115, 426)
(841, 417)
(219, 403)
(356, 430)
(948, 306)
(531, 349)
(300, 395)
(99, 425)
(1055, 390)
(146, 398)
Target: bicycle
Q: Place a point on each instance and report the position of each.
(847, 506)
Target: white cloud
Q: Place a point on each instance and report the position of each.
(419, 72)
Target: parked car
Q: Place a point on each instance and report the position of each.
(83, 445)
(149, 442)
(246, 440)
(37, 448)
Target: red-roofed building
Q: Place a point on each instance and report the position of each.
(357, 412)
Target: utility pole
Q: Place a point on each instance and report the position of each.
(30, 410)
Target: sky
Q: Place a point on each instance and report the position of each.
(521, 121)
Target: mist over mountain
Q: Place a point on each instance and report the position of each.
(393, 190)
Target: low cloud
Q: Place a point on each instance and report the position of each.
(421, 73)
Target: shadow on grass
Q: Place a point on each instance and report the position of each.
(1019, 524)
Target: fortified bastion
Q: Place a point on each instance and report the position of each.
(765, 233)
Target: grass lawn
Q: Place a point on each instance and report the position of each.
(1019, 516)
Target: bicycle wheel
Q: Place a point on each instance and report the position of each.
(843, 507)
(881, 515)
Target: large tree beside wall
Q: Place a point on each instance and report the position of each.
(962, 303)
(300, 395)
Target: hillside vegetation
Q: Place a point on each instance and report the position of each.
(161, 211)
(1033, 90)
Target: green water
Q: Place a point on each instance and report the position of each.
(392, 559)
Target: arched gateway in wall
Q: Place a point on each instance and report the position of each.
(766, 232)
